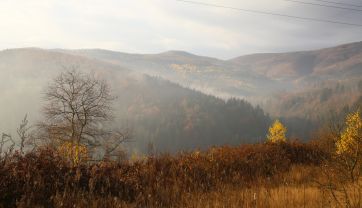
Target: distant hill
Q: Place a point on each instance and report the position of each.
(272, 80)
(209, 75)
(158, 98)
(157, 111)
(345, 60)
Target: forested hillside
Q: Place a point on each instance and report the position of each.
(177, 100)
(156, 111)
(172, 117)
(316, 102)
(291, 84)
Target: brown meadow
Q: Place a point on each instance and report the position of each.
(259, 175)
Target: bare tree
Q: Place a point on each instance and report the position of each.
(9, 143)
(6, 142)
(23, 133)
(77, 109)
(112, 145)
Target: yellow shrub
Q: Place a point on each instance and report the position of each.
(137, 156)
(351, 138)
(277, 132)
(73, 152)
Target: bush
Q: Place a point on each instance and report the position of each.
(42, 178)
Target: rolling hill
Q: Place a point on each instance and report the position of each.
(173, 99)
(273, 80)
(157, 111)
(209, 75)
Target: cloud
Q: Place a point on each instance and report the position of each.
(145, 26)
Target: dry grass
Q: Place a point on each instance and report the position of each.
(296, 188)
(282, 196)
(261, 175)
(223, 197)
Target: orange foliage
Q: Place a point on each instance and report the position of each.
(40, 177)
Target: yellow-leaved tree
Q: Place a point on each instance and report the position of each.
(344, 181)
(277, 132)
(350, 141)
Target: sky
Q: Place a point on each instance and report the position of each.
(155, 26)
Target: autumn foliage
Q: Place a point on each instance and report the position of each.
(74, 153)
(350, 141)
(277, 132)
(44, 178)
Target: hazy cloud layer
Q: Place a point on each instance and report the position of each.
(152, 26)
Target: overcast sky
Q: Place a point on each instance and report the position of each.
(153, 26)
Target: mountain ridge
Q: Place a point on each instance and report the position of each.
(257, 77)
(243, 76)
(170, 116)
(188, 53)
